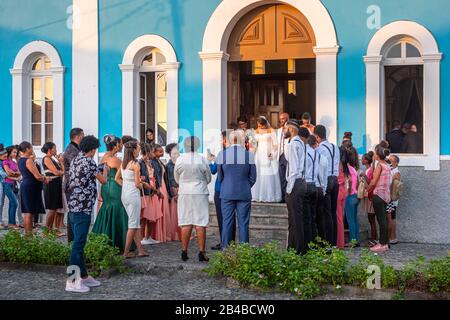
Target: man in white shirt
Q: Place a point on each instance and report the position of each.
(316, 179)
(296, 187)
(282, 151)
(332, 154)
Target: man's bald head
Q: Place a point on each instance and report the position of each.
(284, 117)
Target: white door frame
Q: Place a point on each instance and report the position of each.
(214, 58)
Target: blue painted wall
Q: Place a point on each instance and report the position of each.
(182, 23)
(23, 21)
(350, 19)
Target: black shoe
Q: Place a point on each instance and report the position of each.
(202, 257)
(217, 247)
(184, 256)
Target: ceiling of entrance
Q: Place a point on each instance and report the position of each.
(271, 33)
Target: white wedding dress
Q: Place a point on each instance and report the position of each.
(267, 187)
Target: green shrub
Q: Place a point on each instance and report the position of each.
(438, 275)
(100, 255)
(45, 249)
(305, 276)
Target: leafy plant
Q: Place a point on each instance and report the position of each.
(305, 276)
(45, 249)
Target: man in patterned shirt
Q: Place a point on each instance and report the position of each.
(82, 188)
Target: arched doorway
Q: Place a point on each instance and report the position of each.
(215, 56)
(271, 69)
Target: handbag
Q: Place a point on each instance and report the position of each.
(15, 188)
(362, 187)
(396, 190)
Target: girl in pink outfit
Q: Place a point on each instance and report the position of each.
(380, 186)
(151, 208)
(343, 180)
(166, 224)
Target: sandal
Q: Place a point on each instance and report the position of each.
(129, 255)
(143, 255)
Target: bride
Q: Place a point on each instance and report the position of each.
(267, 187)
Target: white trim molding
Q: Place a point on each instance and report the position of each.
(431, 58)
(85, 64)
(214, 58)
(130, 69)
(445, 158)
(21, 91)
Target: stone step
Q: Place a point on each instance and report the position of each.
(260, 219)
(268, 222)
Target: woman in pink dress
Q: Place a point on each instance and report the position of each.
(151, 208)
(174, 153)
(342, 178)
(163, 226)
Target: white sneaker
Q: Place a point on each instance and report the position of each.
(146, 241)
(153, 241)
(76, 286)
(90, 282)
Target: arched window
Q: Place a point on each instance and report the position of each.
(41, 101)
(153, 96)
(403, 88)
(150, 89)
(38, 96)
(403, 93)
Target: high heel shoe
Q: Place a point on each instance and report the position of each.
(184, 256)
(202, 257)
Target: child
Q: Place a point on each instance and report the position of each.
(392, 207)
(173, 151)
(3, 175)
(151, 210)
(162, 231)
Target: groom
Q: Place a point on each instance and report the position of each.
(237, 174)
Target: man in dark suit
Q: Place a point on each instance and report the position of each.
(237, 174)
(395, 137)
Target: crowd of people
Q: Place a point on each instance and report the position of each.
(322, 184)
(145, 200)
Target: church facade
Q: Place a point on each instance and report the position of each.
(192, 67)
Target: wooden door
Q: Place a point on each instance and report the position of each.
(269, 100)
(272, 32)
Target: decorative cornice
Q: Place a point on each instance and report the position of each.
(214, 56)
(326, 50)
(373, 59)
(18, 72)
(58, 70)
(432, 57)
(128, 67)
(171, 65)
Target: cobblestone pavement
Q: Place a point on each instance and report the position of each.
(164, 276)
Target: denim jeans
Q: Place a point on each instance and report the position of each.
(351, 215)
(80, 222)
(2, 202)
(12, 198)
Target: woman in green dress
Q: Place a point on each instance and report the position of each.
(112, 219)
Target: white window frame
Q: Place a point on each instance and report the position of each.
(131, 68)
(375, 62)
(21, 98)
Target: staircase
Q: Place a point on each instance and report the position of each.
(268, 222)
